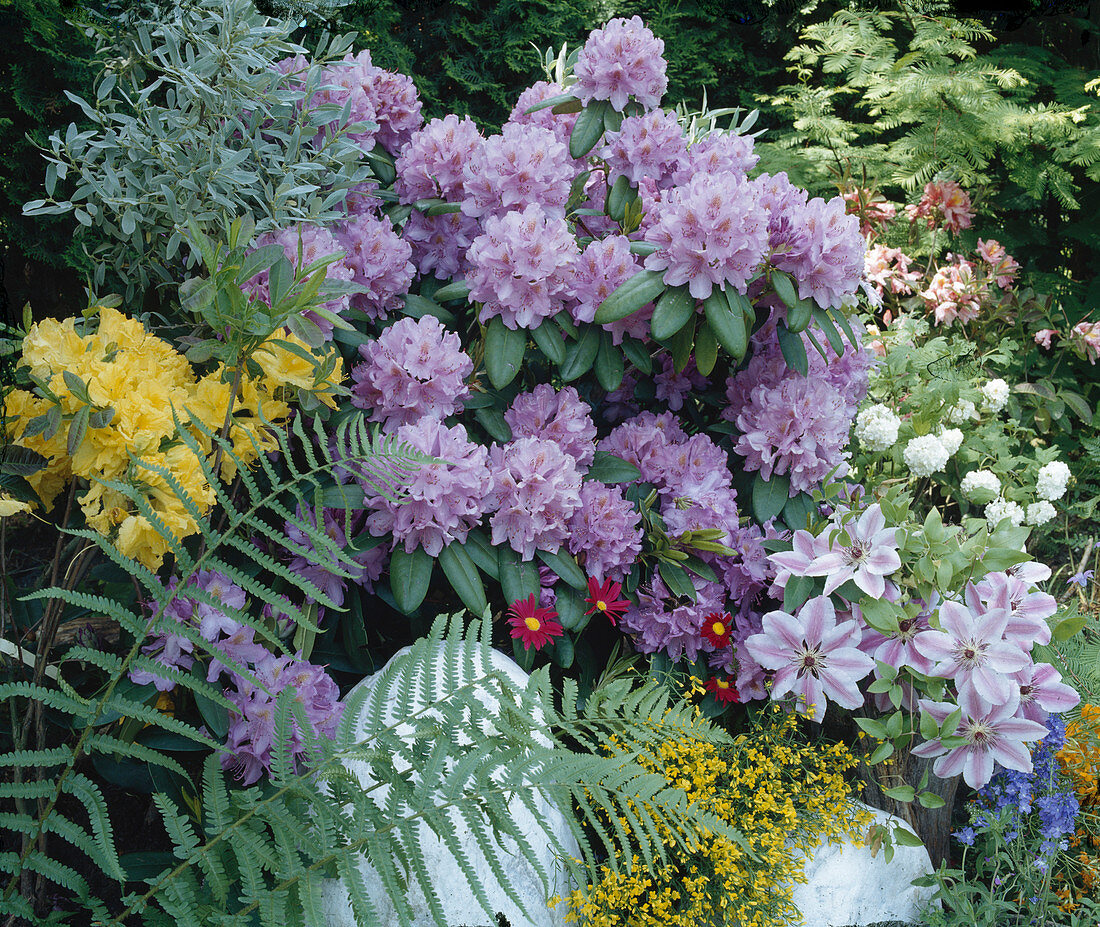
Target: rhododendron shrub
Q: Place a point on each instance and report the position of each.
(629, 359)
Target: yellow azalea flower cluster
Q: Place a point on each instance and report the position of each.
(150, 387)
(781, 794)
(1080, 760)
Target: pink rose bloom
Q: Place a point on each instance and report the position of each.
(1085, 338)
(1043, 336)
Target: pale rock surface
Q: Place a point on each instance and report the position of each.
(461, 907)
(846, 885)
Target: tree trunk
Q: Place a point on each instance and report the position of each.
(932, 825)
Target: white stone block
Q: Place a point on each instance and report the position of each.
(460, 905)
(846, 885)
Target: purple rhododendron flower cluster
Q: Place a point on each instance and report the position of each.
(711, 232)
(605, 531)
(321, 570)
(443, 500)
(621, 61)
(414, 369)
(251, 740)
(559, 416)
(521, 266)
(433, 163)
(380, 262)
(524, 165)
(651, 145)
(560, 124)
(536, 491)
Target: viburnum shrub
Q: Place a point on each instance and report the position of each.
(966, 403)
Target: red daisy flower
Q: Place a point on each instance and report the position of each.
(535, 625)
(717, 629)
(604, 597)
(724, 690)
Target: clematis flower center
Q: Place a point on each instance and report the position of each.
(533, 624)
(981, 734)
(855, 554)
(971, 653)
(811, 661)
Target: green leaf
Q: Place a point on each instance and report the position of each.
(619, 197)
(483, 554)
(588, 129)
(1066, 628)
(638, 354)
(882, 752)
(677, 579)
(799, 315)
(459, 289)
(871, 727)
(727, 324)
(706, 349)
(794, 351)
(20, 461)
(607, 468)
(571, 609)
(76, 386)
(410, 575)
(644, 287)
(548, 339)
(417, 307)
(796, 592)
(609, 363)
(504, 349)
(671, 312)
(906, 838)
(902, 793)
(494, 423)
(78, 427)
(931, 800)
(798, 510)
(565, 567)
(1079, 405)
(784, 288)
(566, 101)
(827, 325)
(769, 497)
(518, 578)
(464, 578)
(580, 355)
(680, 345)
(563, 652)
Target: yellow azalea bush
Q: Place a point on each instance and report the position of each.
(780, 793)
(108, 405)
(1080, 760)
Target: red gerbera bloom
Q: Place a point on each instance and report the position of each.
(724, 690)
(717, 629)
(535, 625)
(604, 597)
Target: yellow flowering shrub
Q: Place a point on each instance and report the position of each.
(1080, 760)
(779, 793)
(118, 397)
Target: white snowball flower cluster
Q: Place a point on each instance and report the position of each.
(981, 486)
(925, 455)
(877, 428)
(1052, 481)
(962, 412)
(1039, 513)
(951, 439)
(1000, 509)
(996, 396)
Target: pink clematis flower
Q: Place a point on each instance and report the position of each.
(1042, 692)
(796, 561)
(813, 656)
(1028, 608)
(971, 650)
(872, 555)
(994, 735)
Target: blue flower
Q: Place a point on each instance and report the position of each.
(965, 836)
(1080, 579)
